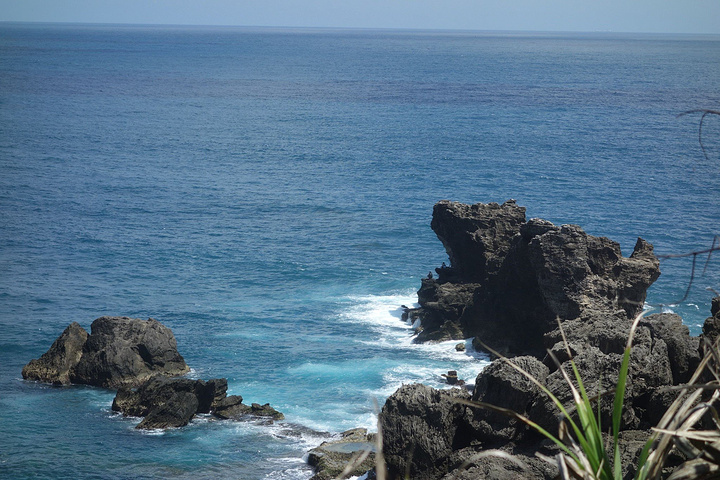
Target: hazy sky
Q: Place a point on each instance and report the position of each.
(669, 16)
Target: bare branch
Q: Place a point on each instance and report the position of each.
(714, 247)
(705, 113)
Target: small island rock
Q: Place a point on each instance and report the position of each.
(119, 351)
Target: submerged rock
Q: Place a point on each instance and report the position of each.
(119, 351)
(331, 459)
(173, 402)
(234, 409)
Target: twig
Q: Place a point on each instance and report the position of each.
(705, 113)
(715, 247)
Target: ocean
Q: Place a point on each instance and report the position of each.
(267, 194)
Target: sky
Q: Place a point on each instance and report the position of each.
(654, 16)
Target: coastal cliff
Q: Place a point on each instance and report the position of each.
(511, 284)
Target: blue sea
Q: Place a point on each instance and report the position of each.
(267, 194)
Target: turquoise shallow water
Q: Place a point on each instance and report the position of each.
(267, 195)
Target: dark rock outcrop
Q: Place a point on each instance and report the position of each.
(138, 357)
(711, 327)
(430, 434)
(509, 279)
(234, 409)
(173, 402)
(55, 365)
(517, 287)
(119, 351)
(331, 458)
(476, 237)
(424, 431)
(125, 351)
(176, 411)
(501, 384)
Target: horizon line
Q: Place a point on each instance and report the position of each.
(387, 29)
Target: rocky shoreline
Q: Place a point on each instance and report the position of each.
(511, 282)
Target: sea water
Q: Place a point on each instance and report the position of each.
(267, 195)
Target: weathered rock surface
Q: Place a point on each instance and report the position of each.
(330, 459)
(501, 384)
(523, 466)
(476, 237)
(125, 351)
(173, 402)
(234, 409)
(424, 431)
(119, 351)
(55, 365)
(509, 279)
(512, 285)
(711, 327)
(139, 357)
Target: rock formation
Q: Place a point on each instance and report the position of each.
(138, 357)
(711, 327)
(119, 351)
(331, 459)
(173, 402)
(511, 284)
(55, 365)
(509, 280)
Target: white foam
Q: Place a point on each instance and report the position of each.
(383, 314)
(295, 473)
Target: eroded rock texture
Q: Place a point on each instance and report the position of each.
(172, 402)
(510, 280)
(513, 284)
(119, 351)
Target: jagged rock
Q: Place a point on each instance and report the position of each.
(424, 431)
(55, 365)
(331, 458)
(514, 285)
(502, 385)
(119, 351)
(523, 466)
(476, 237)
(126, 351)
(172, 402)
(510, 280)
(176, 411)
(576, 272)
(682, 349)
(443, 304)
(599, 373)
(711, 327)
(265, 410)
(156, 391)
